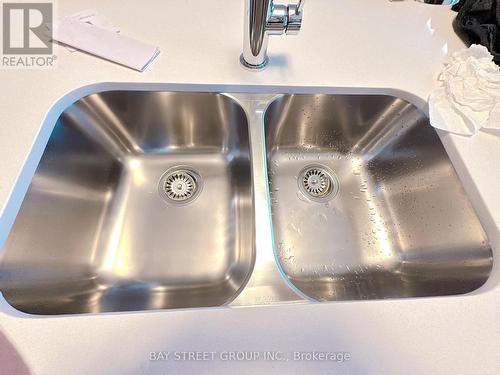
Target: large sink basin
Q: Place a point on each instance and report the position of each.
(366, 203)
(142, 200)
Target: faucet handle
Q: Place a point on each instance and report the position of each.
(300, 6)
(295, 13)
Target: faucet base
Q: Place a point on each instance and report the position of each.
(251, 66)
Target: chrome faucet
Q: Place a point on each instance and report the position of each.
(264, 18)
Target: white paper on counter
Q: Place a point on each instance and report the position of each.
(90, 16)
(104, 43)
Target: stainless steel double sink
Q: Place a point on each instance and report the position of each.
(155, 200)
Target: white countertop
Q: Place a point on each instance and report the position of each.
(373, 45)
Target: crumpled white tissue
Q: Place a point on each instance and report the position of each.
(468, 96)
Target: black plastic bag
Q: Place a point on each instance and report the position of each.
(478, 22)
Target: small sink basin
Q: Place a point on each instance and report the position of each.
(142, 200)
(366, 203)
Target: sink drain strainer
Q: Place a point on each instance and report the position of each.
(318, 183)
(179, 185)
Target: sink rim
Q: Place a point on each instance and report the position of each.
(235, 92)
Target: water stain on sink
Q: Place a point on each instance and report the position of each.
(405, 226)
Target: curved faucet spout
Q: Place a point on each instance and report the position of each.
(264, 18)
